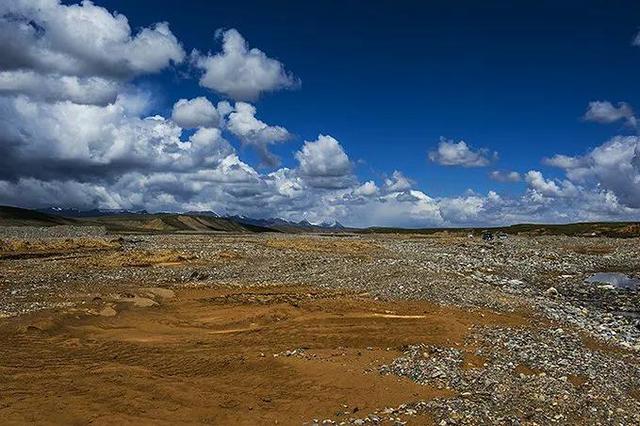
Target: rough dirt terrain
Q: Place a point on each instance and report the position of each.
(312, 329)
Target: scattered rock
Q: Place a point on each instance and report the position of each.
(552, 292)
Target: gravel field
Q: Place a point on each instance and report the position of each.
(577, 361)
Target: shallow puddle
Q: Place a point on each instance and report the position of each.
(616, 279)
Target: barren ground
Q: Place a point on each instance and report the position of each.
(274, 329)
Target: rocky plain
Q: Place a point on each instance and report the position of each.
(341, 328)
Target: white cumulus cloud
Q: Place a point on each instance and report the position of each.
(251, 131)
(605, 112)
(612, 166)
(549, 188)
(367, 189)
(505, 176)
(52, 88)
(82, 40)
(397, 182)
(197, 112)
(240, 72)
(450, 153)
(324, 164)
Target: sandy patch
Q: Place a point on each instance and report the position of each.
(212, 356)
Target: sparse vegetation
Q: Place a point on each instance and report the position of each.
(17, 247)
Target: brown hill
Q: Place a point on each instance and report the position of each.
(15, 216)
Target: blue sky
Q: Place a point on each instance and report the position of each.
(388, 81)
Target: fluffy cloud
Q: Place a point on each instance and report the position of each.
(240, 72)
(563, 161)
(450, 153)
(412, 208)
(605, 112)
(259, 135)
(504, 176)
(367, 189)
(67, 139)
(52, 88)
(462, 209)
(207, 147)
(38, 193)
(197, 112)
(549, 188)
(82, 40)
(397, 182)
(65, 106)
(324, 164)
(613, 166)
(67, 112)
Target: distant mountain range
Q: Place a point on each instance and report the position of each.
(266, 223)
(143, 221)
(124, 221)
(277, 222)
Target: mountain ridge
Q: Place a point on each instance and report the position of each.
(123, 221)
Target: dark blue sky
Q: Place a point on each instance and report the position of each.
(388, 79)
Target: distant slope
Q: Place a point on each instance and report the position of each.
(604, 229)
(140, 222)
(291, 227)
(170, 222)
(587, 229)
(15, 216)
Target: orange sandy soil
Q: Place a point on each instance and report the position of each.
(207, 356)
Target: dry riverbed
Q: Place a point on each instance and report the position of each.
(266, 329)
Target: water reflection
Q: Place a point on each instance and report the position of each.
(616, 279)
